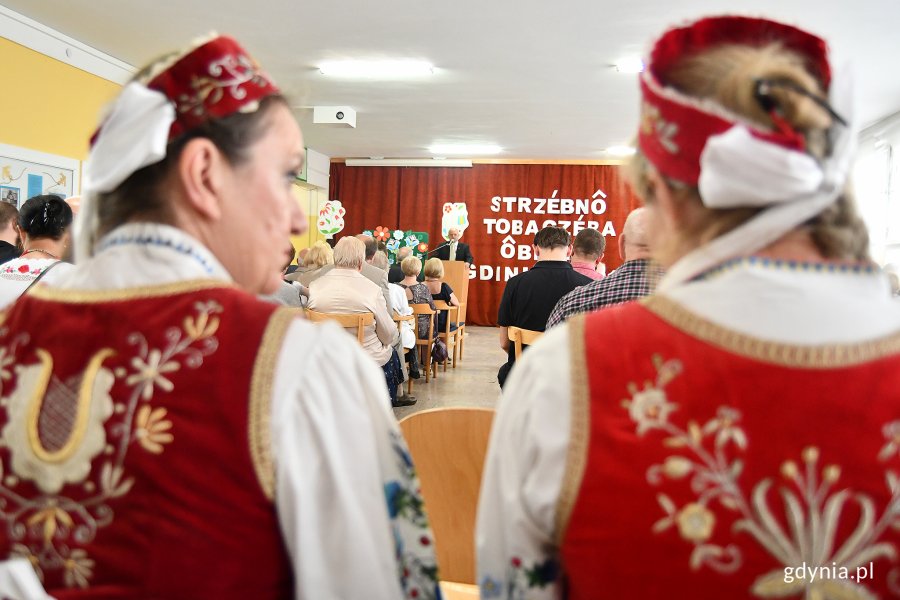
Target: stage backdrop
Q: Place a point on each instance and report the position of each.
(504, 206)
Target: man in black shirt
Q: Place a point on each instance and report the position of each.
(9, 232)
(530, 296)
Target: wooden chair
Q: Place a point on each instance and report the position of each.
(450, 337)
(461, 328)
(448, 446)
(398, 319)
(424, 345)
(345, 320)
(521, 337)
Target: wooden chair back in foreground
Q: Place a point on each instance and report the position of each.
(346, 320)
(448, 446)
(424, 345)
(521, 337)
(450, 337)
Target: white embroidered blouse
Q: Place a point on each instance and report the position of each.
(19, 273)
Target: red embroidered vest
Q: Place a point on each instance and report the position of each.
(135, 446)
(720, 466)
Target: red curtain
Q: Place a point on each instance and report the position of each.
(506, 205)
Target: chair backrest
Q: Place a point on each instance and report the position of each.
(442, 305)
(423, 309)
(521, 337)
(347, 320)
(448, 446)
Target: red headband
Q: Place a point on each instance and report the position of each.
(214, 80)
(674, 127)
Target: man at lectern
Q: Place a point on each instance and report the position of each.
(455, 250)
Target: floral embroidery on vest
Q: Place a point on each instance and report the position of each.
(57, 429)
(812, 505)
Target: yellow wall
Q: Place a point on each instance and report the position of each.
(310, 199)
(48, 105)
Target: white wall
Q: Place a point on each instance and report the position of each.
(876, 180)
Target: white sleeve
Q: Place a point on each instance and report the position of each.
(346, 493)
(515, 535)
(59, 271)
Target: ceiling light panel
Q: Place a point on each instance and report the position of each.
(632, 64)
(376, 69)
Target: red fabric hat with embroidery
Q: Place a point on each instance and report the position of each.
(674, 127)
(216, 79)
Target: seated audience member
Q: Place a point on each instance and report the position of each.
(372, 273)
(395, 273)
(401, 308)
(417, 293)
(319, 260)
(9, 232)
(301, 255)
(633, 279)
(44, 225)
(166, 434)
(434, 273)
(344, 290)
(379, 277)
(289, 293)
(740, 424)
(587, 252)
(530, 296)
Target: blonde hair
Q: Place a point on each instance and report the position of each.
(434, 268)
(349, 253)
(319, 255)
(727, 75)
(411, 266)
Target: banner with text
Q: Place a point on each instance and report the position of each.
(498, 209)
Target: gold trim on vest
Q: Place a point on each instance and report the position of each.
(789, 355)
(76, 296)
(580, 420)
(260, 412)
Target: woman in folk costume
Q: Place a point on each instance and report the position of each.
(741, 427)
(166, 434)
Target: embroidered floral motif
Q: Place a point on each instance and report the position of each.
(152, 430)
(56, 430)
(490, 588)
(228, 74)
(520, 578)
(812, 508)
(418, 571)
(652, 123)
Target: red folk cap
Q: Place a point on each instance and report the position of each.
(216, 79)
(674, 127)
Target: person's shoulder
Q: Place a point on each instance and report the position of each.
(580, 278)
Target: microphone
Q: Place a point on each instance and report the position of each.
(438, 248)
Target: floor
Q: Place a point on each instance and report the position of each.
(472, 383)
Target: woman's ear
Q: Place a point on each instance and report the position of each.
(202, 172)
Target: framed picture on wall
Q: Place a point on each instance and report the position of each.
(10, 195)
(25, 173)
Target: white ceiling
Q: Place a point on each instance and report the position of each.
(531, 76)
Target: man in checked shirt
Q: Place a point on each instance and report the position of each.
(632, 280)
